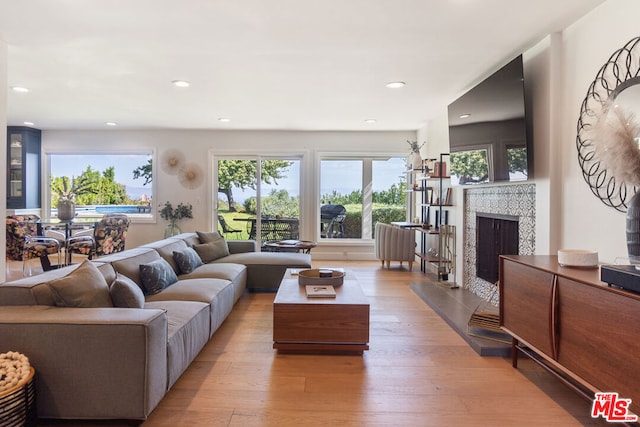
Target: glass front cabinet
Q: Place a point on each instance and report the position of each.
(23, 167)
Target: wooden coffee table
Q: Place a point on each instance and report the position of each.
(320, 325)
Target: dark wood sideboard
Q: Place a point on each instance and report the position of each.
(577, 327)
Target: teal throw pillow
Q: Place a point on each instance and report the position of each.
(157, 275)
(187, 260)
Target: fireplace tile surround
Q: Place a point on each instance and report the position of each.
(514, 199)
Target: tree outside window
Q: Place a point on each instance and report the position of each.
(98, 183)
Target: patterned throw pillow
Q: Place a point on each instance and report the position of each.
(84, 287)
(156, 276)
(187, 260)
(125, 293)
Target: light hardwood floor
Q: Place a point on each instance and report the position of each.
(418, 372)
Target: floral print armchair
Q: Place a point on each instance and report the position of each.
(108, 237)
(23, 241)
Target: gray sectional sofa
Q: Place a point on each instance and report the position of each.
(104, 346)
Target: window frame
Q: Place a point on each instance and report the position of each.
(150, 217)
(367, 191)
(258, 158)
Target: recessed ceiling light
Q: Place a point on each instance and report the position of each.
(181, 83)
(19, 89)
(370, 120)
(395, 85)
(464, 116)
(224, 120)
(28, 123)
(111, 124)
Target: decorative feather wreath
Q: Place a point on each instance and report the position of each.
(615, 136)
(190, 176)
(172, 160)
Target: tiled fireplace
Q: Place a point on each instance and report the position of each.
(516, 201)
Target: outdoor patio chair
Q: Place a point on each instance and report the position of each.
(226, 228)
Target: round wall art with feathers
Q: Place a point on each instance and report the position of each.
(190, 175)
(608, 132)
(171, 161)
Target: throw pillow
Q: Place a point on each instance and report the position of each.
(84, 287)
(213, 250)
(208, 236)
(157, 275)
(187, 260)
(125, 293)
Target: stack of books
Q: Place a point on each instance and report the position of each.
(320, 291)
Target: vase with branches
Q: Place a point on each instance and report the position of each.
(415, 160)
(173, 215)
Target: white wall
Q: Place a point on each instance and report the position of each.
(558, 72)
(202, 146)
(586, 46)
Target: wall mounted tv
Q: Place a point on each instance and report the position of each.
(490, 130)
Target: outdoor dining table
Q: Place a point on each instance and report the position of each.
(272, 228)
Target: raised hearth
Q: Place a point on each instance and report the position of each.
(455, 306)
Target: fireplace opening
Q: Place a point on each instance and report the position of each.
(496, 235)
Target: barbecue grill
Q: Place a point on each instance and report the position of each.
(332, 220)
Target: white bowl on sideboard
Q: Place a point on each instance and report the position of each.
(578, 258)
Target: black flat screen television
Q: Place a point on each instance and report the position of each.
(490, 130)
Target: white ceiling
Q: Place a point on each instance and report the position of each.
(264, 64)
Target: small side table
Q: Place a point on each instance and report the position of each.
(291, 245)
(18, 404)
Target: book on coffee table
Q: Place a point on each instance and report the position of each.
(320, 291)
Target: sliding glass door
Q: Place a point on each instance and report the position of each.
(258, 198)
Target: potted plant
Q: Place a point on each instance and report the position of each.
(415, 160)
(67, 190)
(172, 215)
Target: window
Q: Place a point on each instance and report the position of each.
(258, 187)
(101, 183)
(357, 193)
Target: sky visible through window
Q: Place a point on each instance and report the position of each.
(72, 165)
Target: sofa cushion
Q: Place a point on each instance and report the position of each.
(126, 293)
(208, 236)
(219, 294)
(83, 287)
(187, 260)
(217, 270)
(212, 251)
(188, 331)
(166, 248)
(128, 262)
(156, 276)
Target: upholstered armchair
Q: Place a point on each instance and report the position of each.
(395, 244)
(24, 243)
(107, 237)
